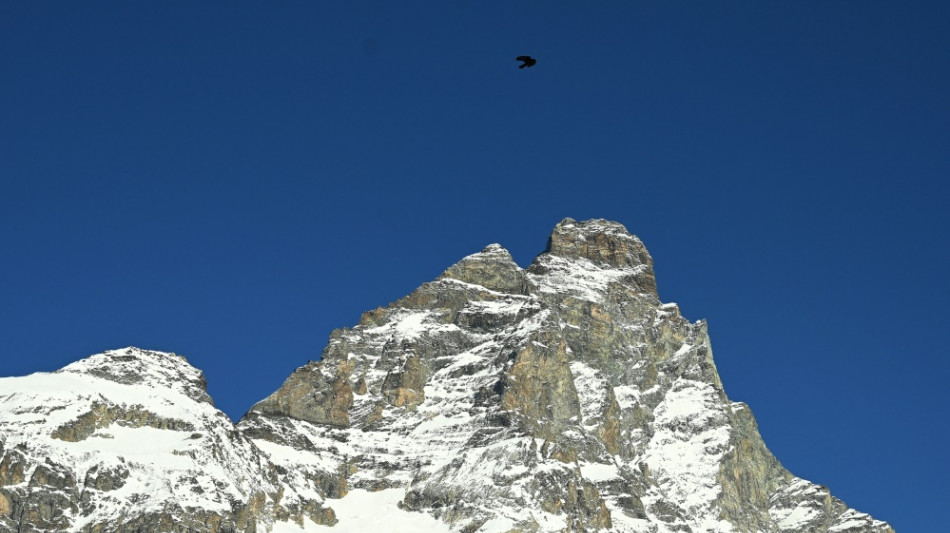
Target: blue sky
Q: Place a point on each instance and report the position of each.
(231, 181)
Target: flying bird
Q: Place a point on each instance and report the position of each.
(528, 61)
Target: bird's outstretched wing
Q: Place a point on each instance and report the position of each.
(523, 58)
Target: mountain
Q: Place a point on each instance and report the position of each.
(561, 397)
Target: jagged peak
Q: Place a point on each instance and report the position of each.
(493, 253)
(600, 241)
(133, 365)
(581, 257)
(494, 249)
(593, 226)
(492, 268)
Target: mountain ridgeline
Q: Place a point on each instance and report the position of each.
(563, 397)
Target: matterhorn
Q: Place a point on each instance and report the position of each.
(561, 397)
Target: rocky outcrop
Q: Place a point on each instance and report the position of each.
(405, 387)
(538, 389)
(562, 397)
(5, 508)
(315, 394)
(102, 415)
(602, 243)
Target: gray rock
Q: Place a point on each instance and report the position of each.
(566, 388)
(561, 397)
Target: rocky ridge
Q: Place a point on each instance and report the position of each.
(560, 397)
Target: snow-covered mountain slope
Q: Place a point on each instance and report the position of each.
(561, 397)
(126, 440)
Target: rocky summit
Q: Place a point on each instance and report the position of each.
(562, 397)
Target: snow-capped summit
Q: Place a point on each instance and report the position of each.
(563, 397)
(154, 369)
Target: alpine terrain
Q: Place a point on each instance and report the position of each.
(563, 397)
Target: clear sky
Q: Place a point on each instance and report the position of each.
(232, 180)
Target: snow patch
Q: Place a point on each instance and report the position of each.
(691, 437)
(591, 389)
(580, 278)
(598, 472)
(361, 511)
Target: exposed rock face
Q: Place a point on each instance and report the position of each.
(561, 397)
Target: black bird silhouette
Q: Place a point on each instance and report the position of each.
(528, 61)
